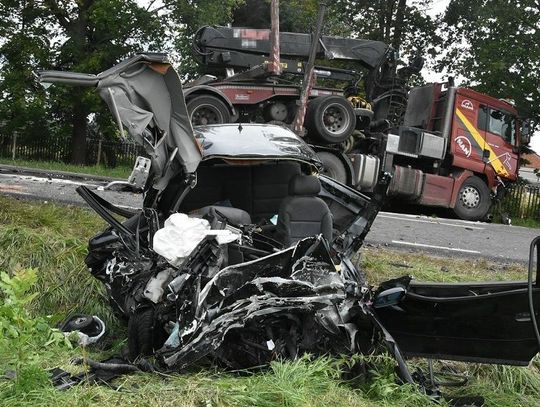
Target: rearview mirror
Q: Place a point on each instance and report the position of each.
(389, 297)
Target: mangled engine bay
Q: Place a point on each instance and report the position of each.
(242, 295)
(247, 300)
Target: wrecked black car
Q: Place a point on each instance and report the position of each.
(207, 272)
(242, 251)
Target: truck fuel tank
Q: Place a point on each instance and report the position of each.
(366, 170)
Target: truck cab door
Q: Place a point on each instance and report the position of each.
(468, 141)
(501, 139)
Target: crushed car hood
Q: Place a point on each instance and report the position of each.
(144, 94)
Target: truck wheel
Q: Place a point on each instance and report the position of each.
(333, 167)
(330, 119)
(473, 200)
(206, 109)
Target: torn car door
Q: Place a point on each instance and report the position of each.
(473, 322)
(144, 94)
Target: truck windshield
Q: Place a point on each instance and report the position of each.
(497, 122)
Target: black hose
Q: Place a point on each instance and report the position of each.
(534, 244)
(111, 367)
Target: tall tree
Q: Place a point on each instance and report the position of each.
(294, 15)
(403, 24)
(187, 16)
(84, 36)
(493, 45)
(23, 45)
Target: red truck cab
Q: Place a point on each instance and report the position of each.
(457, 149)
(485, 136)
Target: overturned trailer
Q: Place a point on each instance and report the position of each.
(273, 287)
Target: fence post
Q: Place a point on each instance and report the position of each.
(98, 152)
(14, 147)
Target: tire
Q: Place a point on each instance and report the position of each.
(141, 333)
(330, 119)
(77, 322)
(333, 166)
(206, 109)
(473, 200)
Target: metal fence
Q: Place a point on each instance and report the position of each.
(109, 153)
(522, 201)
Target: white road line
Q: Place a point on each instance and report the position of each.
(408, 215)
(46, 180)
(434, 222)
(429, 246)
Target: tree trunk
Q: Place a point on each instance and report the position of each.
(399, 22)
(79, 130)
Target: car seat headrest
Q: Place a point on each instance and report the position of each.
(306, 185)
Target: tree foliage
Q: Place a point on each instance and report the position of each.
(294, 15)
(84, 36)
(187, 16)
(23, 45)
(403, 24)
(493, 46)
(490, 43)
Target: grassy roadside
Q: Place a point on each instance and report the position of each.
(117, 172)
(51, 239)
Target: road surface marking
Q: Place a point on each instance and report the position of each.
(429, 246)
(434, 222)
(47, 180)
(408, 215)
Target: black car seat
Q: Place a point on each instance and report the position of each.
(302, 213)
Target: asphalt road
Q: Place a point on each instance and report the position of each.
(453, 237)
(447, 237)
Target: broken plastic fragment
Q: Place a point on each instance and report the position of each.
(173, 341)
(89, 329)
(154, 288)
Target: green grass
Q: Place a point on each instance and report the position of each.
(381, 265)
(52, 239)
(117, 172)
(528, 223)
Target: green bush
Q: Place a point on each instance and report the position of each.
(24, 339)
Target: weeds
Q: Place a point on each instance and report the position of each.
(118, 172)
(22, 337)
(52, 240)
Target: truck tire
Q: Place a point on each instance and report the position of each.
(333, 167)
(207, 109)
(473, 200)
(330, 119)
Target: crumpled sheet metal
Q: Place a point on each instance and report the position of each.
(285, 289)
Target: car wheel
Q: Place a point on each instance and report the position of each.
(333, 166)
(141, 333)
(330, 119)
(473, 200)
(206, 109)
